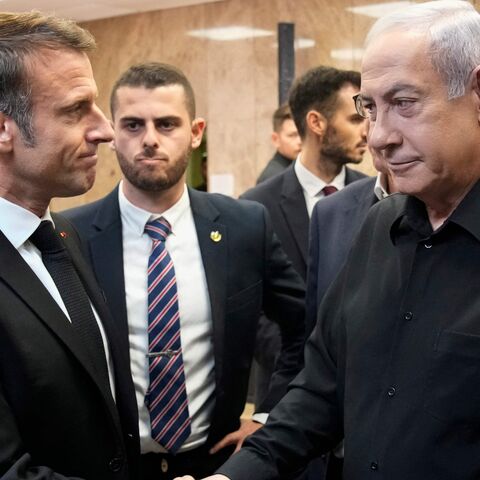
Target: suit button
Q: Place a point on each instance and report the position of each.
(408, 316)
(391, 392)
(374, 466)
(115, 464)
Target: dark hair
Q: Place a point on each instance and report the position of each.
(22, 37)
(317, 90)
(152, 75)
(281, 114)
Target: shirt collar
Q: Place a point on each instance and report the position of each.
(312, 184)
(18, 223)
(137, 217)
(413, 216)
(381, 189)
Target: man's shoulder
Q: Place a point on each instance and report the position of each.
(353, 175)
(84, 215)
(269, 189)
(223, 203)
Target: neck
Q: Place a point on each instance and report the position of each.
(36, 204)
(317, 164)
(151, 201)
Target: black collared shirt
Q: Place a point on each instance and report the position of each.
(394, 363)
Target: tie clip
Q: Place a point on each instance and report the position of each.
(166, 353)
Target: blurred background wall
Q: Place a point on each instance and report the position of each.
(233, 71)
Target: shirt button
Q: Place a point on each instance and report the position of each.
(374, 466)
(408, 315)
(391, 392)
(428, 245)
(115, 464)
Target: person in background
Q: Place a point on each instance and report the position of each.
(286, 140)
(186, 274)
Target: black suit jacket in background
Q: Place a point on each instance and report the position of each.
(277, 164)
(57, 417)
(283, 197)
(245, 271)
(334, 223)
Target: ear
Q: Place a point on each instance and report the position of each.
(198, 127)
(475, 83)
(6, 133)
(275, 138)
(316, 123)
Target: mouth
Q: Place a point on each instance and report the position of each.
(402, 165)
(150, 159)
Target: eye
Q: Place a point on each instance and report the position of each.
(166, 124)
(370, 110)
(403, 104)
(132, 126)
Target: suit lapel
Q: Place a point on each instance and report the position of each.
(23, 281)
(105, 245)
(294, 208)
(214, 257)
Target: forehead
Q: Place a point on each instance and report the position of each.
(397, 60)
(288, 126)
(60, 74)
(141, 102)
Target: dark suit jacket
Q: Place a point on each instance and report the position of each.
(283, 197)
(246, 271)
(277, 164)
(57, 417)
(334, 223)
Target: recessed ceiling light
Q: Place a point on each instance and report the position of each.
(227, 34)
(378, 10)
(347, 53)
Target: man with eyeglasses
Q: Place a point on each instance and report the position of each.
(393, 363)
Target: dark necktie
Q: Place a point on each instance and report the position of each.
(329, 189)
(166, 397)
(58, 263)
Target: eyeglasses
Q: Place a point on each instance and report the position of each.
(357, 99)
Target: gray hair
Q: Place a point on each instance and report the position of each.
(22, 36)
(453, 28)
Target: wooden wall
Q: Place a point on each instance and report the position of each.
(235, 81)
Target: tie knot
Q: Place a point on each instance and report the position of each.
(329, 189)
(158, 229)
(46, 239)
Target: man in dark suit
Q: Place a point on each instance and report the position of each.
(286, 140)
(332, 134)
(66, 405)
(227, 266)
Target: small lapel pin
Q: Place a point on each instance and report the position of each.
(64, 234)
(216, 236)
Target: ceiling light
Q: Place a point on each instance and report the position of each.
(347, 53)
(227, 34)
(377, 10)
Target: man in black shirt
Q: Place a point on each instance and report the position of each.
(394, 361)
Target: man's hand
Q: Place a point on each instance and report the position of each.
(213, 477)
(247, 427)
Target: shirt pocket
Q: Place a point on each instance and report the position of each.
(453, 382)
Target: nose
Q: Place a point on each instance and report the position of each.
(150, 138)
(101, 130)
(382, 134)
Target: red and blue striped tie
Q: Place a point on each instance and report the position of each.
(166, 397)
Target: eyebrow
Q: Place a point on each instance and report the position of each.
(394, 90)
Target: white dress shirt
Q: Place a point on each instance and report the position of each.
(312, 185)
(196, 331)
(18, 224)
(381, 186)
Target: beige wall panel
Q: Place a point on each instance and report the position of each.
(231, 95)
(235, 82)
